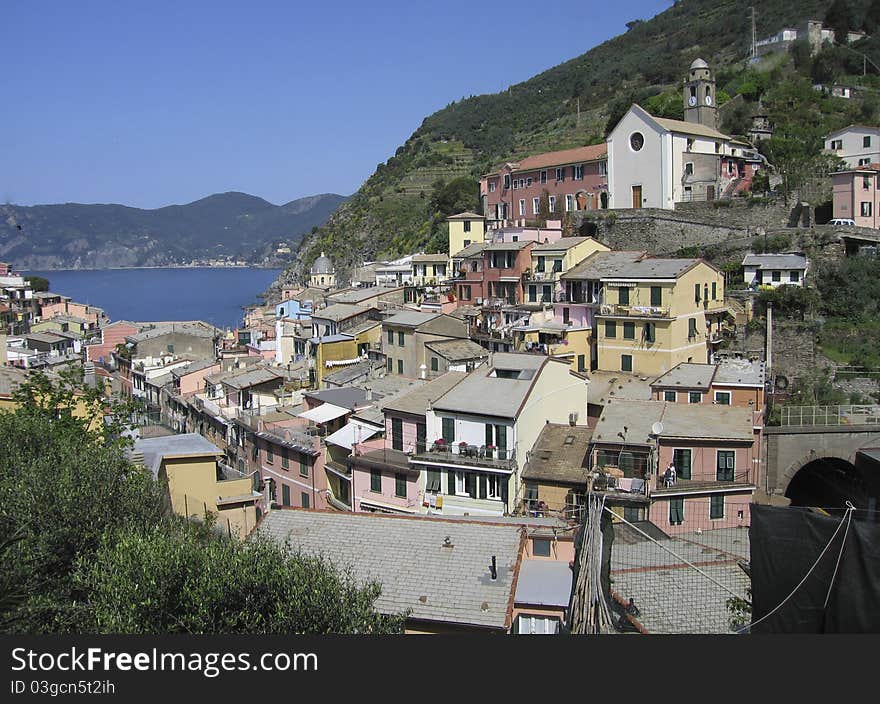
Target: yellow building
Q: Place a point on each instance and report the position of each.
(465, 229)
(199, 483)
(648, 314)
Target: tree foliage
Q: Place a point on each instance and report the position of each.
(87, 543)
(38, 283)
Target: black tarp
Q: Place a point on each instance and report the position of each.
(785, 542)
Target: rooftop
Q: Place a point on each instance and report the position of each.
(245, 378)
(155, 450)
(428, 258)
(439, 569)
(559, 454)
(687, 375)
(484, 392)
(356, 295)
(346, 397)
(339, 311)
(544, 583)
(471, 250)
(776, 261)
(605, 386)
(418, 400)
(10, 379)
(693, 421)
(458, 350)
(466, 215)
(193, 367)
(409, 319)
(560, 158)
(562, 244)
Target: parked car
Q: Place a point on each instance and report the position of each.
(842, 221)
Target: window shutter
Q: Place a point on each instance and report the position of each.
(482, 483)
(451, 477)
(504, 483)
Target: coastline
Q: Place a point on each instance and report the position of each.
(163, 266)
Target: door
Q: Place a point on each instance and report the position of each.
(710, 192)
(637, 196)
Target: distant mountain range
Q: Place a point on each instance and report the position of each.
(224, 225)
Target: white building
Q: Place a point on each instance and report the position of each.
(775, 269)
(857, 145)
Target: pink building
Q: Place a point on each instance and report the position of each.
(575, 179)
(94, 316)
(856, 195)
(111, 335)
(715, 450)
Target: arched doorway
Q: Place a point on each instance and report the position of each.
(828, 483)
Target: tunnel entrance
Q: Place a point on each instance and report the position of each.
(828, 483)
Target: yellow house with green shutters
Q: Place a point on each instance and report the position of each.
(648, 314)
(465, 229)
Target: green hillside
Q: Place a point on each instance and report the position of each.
(395, 211)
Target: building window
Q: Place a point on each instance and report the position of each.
(722, 398)
(636, 141)
(285, 495)
(529, 181)
(629, 331)
(522, 206)
(566, 316)
(689, 168)
(670, 396)
(866, 209)
(543, 177)
(400, 486)
(552, 203)
(391, 337)
(692, 328)
(491, 186)
(714, 290)
(507, 180)
(285, 463)
(390, 364)
(864, 162)
(603, 168)
(170, 349)
(866, 141)
(650, 333)
(400, 338)
(303, 467)
(435, 365)
(681, 460)
(400, 366)
(610, 328)
(449, 430)
(304, 498)
(541, 547)
(465, 293)
(794, 277)
(579, 172)
(623, 296)
(560, 174)
(376, 481)
(270, 457)
(493, 486)
(537, 625)
(695, 397)
(515, 184)
(676, 511)
(397, 434)
(467, 225)
(433, 482)
(569, 203)
(656, 295)
(725, 470)
(536, 205)
(716, 506)
(777, 276)
(626, 363)
(866, 182)
(696, 293)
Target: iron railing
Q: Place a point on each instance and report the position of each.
(829, 415)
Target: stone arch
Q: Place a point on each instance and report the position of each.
(796, 466)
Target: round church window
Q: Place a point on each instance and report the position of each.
(637, 141)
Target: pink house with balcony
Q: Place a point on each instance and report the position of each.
(714, 449)
(383, 480)
(94, 316)
(574, 179)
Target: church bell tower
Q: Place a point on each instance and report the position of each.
(699, 96)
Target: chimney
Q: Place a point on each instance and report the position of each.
(493, 569)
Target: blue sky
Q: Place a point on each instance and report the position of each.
(149, 104)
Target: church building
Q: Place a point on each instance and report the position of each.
(656, 162)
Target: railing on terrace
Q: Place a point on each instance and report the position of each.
(794, 416)
(727, 477)
(634, 311)
(466, 454)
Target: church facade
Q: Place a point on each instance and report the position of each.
(656, 162)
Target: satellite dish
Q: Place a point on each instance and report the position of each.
(657, 428)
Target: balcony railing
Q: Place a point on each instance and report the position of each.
(617, 310)
(829, 415)
(472, 455)
(720, 481)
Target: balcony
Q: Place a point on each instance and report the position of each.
(616, 310)
(740, 480)
(543, 276)
(465, 455)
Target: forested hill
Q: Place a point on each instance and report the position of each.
(401, 207)
(224, 225)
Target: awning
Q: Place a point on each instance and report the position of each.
(324, 413)
(386, 507)
(350, 434)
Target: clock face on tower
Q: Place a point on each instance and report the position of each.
(708, 100)
(692, 100)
